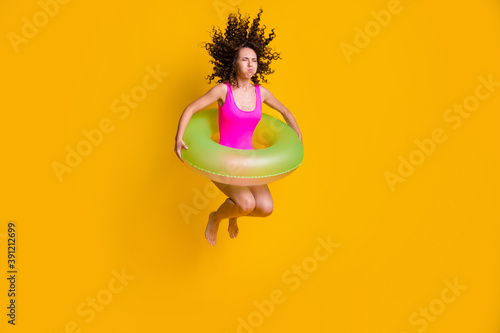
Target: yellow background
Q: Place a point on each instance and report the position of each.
(120, 208)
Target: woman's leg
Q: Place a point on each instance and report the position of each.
(257, 197)
(242, 201)
(263, 206)
(263, 201)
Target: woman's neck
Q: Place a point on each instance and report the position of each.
(244, 84)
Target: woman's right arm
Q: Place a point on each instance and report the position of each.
(214, 94)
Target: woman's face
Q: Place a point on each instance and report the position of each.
(246, 65)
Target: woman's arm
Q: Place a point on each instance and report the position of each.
(214, 94)
(273, 102)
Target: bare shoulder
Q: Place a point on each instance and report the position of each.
(219, 89)
(214, 94)
(264, 89)
(265, 93)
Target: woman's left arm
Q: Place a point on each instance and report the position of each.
(273, 102)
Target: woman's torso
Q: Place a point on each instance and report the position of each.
(236, 126)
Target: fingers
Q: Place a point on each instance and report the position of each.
(178, 149)
(179, 155)
(178, 152)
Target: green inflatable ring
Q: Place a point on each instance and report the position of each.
(239, 166)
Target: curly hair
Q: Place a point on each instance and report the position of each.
(225, 48)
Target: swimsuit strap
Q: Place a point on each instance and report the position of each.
(232, 103)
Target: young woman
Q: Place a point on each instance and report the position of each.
(241, 58)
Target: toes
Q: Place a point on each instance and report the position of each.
(210, 239)
(233, 231)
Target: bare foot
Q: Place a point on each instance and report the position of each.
(212, 228)
(233, 227)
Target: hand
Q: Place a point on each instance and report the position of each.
(179, 144)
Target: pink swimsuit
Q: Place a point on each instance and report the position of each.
(236, 126)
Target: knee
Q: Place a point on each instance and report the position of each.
(265, 208)
(246, 204)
